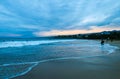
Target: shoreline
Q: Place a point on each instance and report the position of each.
(34, 73)
(49, 60)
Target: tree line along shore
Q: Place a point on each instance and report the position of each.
(110, 35)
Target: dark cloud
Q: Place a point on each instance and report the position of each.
(27, 17)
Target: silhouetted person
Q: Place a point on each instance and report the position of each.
(107, 39)
(111, 40)
(102, 42)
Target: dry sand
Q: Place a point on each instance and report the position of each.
(101, 67)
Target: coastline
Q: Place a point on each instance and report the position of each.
(99, 67)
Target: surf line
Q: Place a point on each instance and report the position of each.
(43, 61)
(47, 60)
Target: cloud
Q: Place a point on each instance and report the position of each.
(10, 35)
(26, 17)
(93, 29)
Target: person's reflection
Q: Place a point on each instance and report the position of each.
(103, 49)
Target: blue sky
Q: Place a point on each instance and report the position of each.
(29, 18)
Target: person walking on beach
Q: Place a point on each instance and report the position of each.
(102, 42)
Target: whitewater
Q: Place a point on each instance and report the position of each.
(19, 57)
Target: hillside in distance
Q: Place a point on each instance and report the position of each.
(115, 34)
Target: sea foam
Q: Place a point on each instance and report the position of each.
(27, 43)
(107, 48)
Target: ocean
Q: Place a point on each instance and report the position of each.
(19, 56)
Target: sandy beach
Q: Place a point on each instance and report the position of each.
(99, 67)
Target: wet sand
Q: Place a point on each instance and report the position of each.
(100, 67)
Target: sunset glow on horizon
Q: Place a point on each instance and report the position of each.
(72, 32)
(24, 18)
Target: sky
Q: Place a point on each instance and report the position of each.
(36, 18)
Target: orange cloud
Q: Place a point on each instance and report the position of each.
(75, 31)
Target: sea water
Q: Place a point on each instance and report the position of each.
(17, 57)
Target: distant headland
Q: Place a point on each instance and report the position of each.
(115, 34)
